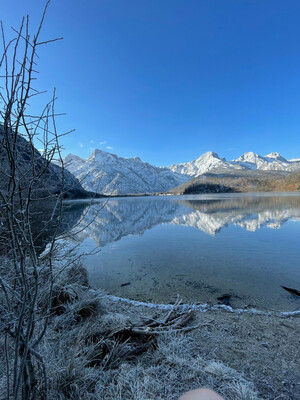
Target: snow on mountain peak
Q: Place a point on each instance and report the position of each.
(102, 156)
(73, 162)
(249, 157)
(208, 161)
(276, 156)
(108, 173)
(271, 162)
(209, 154)
(273, 155)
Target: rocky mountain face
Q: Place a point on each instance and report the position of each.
(25, 172)
(107, 173)
(29, 163)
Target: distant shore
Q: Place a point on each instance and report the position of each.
(116, 196)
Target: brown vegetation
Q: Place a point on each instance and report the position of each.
(214, 183)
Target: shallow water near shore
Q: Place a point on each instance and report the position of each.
(243, 246)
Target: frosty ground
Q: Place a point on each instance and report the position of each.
(246, 356)
(242, 356)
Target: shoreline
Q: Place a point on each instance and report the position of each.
(168, 194)
(262, 347)
(103, 346)
(201, 307)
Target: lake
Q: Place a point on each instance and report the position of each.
(200, 247)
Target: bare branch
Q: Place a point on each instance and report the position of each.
(49, 41)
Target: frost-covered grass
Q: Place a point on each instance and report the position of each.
(84, 362)
(165, 373)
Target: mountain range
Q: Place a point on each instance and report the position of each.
(107, 173)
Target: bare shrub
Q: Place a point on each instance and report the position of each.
(31, 194)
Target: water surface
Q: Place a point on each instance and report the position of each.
(199, 247)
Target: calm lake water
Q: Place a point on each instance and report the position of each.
(200, 247)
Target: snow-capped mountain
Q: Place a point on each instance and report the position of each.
(212, 162)
(107, 173)
(206, 162)
(270, 162)
(276, 156)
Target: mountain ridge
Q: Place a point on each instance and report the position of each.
(52, 179)
(108, 173)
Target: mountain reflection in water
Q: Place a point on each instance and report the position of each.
(200, 247)
(130, 216)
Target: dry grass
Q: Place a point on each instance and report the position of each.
(172, 369)
(85, 362)
(165, 372)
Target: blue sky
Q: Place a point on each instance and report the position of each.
(168, 80)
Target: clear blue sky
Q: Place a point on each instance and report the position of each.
(168, 80)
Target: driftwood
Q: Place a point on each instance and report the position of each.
(112, 347)
(172, 321)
